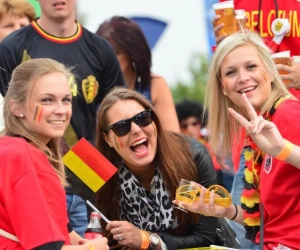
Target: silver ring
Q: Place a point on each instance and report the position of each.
(261, 118)
(120, 237)
(117, 230)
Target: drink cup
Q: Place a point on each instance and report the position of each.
(186, 192)
(226, 11)
(282, 58)
(240, 19)
(296, 59)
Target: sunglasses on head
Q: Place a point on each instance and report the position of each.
(123, 127)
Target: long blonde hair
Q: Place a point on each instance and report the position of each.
(222, 128)
(20, 86)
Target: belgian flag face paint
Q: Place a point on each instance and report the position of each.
(154, 128)
(264, 75)
(38, 113)
(118, 142)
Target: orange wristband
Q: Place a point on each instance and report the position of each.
(286, 151)
(145, 240)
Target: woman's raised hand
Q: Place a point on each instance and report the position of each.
(264, 133)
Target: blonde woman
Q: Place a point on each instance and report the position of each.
(242, 68)
(37, 110)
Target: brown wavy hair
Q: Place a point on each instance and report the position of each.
(173, 157)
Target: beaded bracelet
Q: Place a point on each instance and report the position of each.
(286, 151)
(236, 211)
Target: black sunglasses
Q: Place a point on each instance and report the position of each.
(123, 127)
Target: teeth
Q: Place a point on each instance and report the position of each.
(247, 89)
(56, 122)
(138, 142)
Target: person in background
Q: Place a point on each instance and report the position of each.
(150, 161)
(14, 14)
(192, 122)
(33, 211)
(57, 35)
(232, 80)
(259, 17)
(191, 119)
(134, 56)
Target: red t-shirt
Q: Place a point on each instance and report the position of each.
(32, 199)
(279, 185)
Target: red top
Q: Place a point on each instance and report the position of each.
(32, 199)
(279, 185)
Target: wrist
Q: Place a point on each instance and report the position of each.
(285, 151)
(233, 212)
(89, 246)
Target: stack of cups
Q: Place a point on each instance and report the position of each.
(226, 11)
(240, 20)
(282, 58)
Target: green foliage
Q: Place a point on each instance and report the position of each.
(194, 90)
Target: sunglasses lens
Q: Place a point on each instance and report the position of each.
(143, 119)
(121, 128)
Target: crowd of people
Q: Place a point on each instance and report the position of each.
(107, 94)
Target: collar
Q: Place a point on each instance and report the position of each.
(56, 39)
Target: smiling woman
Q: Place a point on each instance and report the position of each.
(151, 162)
(242, 71)
(37, 110)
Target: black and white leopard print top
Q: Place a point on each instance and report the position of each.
(148, 211)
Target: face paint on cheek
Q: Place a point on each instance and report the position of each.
(118, 142)
(264, 75)
(38, 113)
(154, 128)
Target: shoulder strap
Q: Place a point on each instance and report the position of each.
(8, 235)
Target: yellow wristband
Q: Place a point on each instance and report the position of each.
(145, 240)
(286, 151)
(90, 246)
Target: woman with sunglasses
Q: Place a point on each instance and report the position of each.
(270, 200)
(151, 162)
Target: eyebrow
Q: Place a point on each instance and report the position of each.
(48, 94)
(249, 61)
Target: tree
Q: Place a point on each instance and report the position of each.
(194, 90)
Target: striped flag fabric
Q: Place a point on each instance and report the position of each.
(89, 165)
